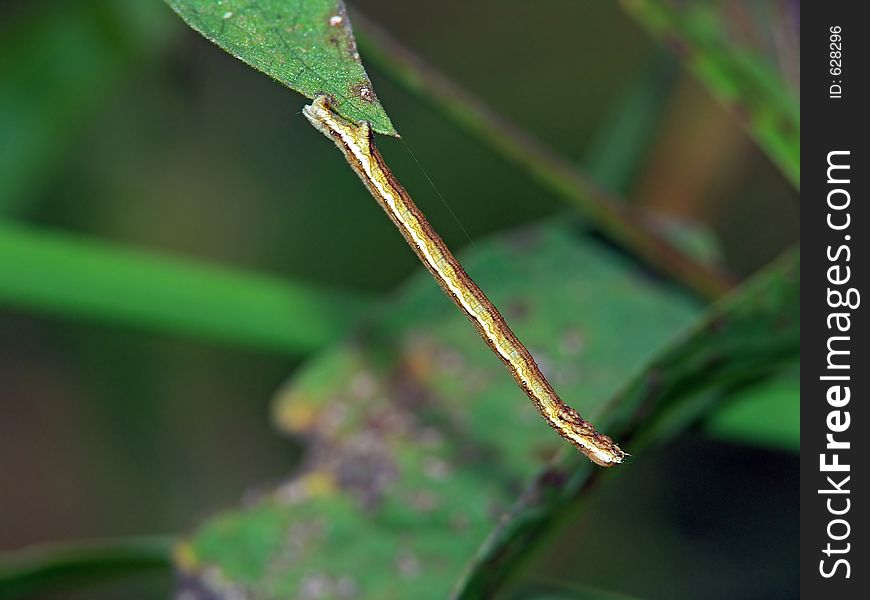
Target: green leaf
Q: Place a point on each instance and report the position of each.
(306, 45)
(749, 336)
(66, 275)
(737, 75)
(50, 567)
(763, 415)
(419, 438)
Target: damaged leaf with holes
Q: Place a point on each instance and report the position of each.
(417, 439)
(307, 45)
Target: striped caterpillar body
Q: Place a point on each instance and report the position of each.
(356, 143)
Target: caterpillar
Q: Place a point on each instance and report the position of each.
(357, 145)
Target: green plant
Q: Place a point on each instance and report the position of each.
(420, 444)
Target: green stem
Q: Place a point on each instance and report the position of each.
(46, 567)
(547, 168)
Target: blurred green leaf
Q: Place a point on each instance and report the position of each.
(59, 62)
(58, 566)
(691, 237)
(306, 45)
(737, 75)
(62, 274)
(746, 338)
(419, 438)
(762, 415)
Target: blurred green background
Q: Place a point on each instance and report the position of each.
(119, 124)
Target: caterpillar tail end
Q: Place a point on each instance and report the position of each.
(608, 455)
(599, 448)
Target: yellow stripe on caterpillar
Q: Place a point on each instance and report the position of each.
(355, 142)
